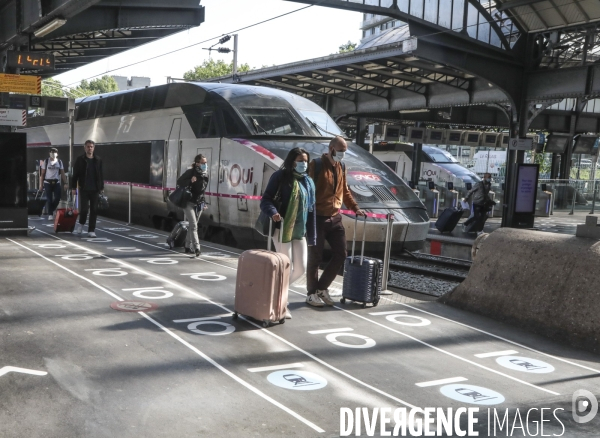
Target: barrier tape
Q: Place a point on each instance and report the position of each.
(226, 195)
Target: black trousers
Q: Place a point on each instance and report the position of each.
(478, 214)
(88, 201)
(332, 230)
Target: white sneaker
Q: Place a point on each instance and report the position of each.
(288, 315)
(324, 295)
(314, 301)
(50, 218)
(78, 228)
(91, 234)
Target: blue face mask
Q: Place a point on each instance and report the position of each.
(301, 166)
(202, 168)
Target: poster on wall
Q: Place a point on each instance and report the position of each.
(527, 179)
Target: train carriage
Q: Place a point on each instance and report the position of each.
(149, 136)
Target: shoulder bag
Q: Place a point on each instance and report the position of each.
(181, 196)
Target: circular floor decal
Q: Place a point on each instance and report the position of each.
(475, 395)
(525, 364)
(297, 380)
(133, 306)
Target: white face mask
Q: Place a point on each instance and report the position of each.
(339, 156)
(301, 166)
(53, 155)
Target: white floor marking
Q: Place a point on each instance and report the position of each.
(206, 276)
(387, 313)
(200, 319)
(318, 332)
(9, 369)
(275, 367)
(441, 382)
(332, 337)
(502, 339)
(444, 351)
(143, 288)
(496, 353)
(259, 327)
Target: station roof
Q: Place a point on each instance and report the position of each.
(543, 15)
(94, 29)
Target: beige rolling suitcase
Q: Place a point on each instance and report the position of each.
(261, 288)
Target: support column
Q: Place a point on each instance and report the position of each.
(555, 166)
(416, 161)
(361, 131)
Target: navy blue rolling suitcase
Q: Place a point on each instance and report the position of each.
(448, 219)
(36, 201)
(177, 237)
(362, 275)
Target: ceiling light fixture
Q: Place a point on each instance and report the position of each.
(50, 27)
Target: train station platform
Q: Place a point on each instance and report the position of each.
(458, 244)
(120, 336)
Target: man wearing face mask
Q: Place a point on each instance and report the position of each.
(480, 200)
(51, 173)
(329, 174)
(197, 179)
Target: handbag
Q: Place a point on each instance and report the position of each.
(262, 223)
(181, 196)
(102, 202)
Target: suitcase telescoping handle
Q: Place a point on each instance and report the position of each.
(362, 251)
(270, 237)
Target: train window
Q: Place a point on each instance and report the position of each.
(117, 105)
(82, 111)
(207, 126)
(110, 105)
(160, 95)
(101, 108)
(126, 103)
(232, 126)
(92, 110)
(147, 99)
(391, 164)
(272, 121)
(136, 101)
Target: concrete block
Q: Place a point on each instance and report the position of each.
(543, 282)
(590, 232)
(591, 221)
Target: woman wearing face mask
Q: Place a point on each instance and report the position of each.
(296, 191)
(480, 199)
(197, 179)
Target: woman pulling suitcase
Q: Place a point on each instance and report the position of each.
(290, 195)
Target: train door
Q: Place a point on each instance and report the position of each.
(173, 154)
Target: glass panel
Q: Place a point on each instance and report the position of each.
(431, 10)
(445, 13)
(136, 102)
(110, 106)
(484, 30)
(495, 39)
(472, 21)
(117, 107)
(416, 8)
(126, 103)
(324, 124)
(101, 108)
(147, 99)
(458, 14)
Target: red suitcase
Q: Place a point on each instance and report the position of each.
(261, 288)
(65, 220)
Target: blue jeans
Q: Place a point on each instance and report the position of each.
(52, 196)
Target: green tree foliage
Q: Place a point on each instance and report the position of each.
(52, 87)
(211, 69)
(105, 84)
(348, 47)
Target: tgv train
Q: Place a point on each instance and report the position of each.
(437, 165)
(150, 136)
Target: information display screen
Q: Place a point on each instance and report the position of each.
(454, 136)
(527, 178)
(436, 135)
(417, 134)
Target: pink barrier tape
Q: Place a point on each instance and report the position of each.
(373, 215)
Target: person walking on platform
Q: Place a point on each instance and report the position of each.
(480, 200)
(52, 172)
(329, 175)
(292, 186)
(197, 179)
(88, 177)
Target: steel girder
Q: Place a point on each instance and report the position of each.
(96, 29)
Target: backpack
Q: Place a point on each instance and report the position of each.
(319, 166)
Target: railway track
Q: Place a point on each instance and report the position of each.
(426, 274)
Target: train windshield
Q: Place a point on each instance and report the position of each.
(272, 121)
(440, 156)
(322, 122)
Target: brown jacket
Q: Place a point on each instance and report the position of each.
(329, 200)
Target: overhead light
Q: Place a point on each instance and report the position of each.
(411, 58)
(414, 111)
(50, 27)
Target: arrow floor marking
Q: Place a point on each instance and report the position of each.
(6, 370)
